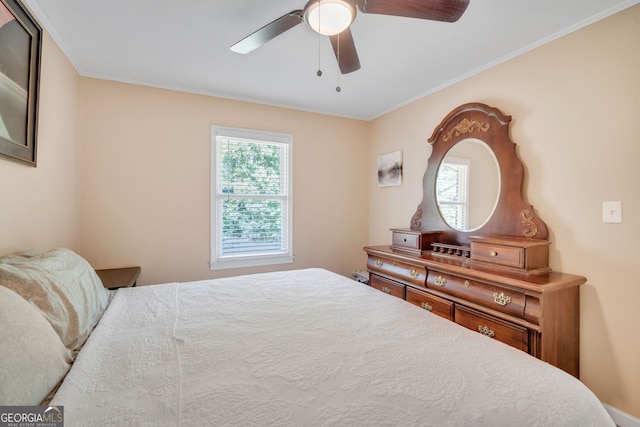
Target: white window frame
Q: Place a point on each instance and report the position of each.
(217, 260)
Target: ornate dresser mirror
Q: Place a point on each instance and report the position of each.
(473, 204)
(476, 253)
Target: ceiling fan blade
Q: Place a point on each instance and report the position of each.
(435, 10)
(268, 32)
(345, 50)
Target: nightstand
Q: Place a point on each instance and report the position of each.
(114, 278)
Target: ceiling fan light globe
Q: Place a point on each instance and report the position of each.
(329, 17)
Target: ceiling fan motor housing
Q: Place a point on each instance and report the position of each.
(329, 17)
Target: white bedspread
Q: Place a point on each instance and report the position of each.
(305, 348)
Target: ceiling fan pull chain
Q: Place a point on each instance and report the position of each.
(319, 73)
(338, 88)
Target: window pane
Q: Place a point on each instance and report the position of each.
(453, 215)
(251, 226)
(250, 167)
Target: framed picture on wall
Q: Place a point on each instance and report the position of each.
(20, 47)
(390, 169)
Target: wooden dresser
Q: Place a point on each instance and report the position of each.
(476, 253)
(538, 314)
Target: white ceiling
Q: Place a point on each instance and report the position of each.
(184, 45)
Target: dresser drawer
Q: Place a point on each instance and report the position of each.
(511, 256)
(508, 333)
(528, 256)
(407, 272)
(406, 240)
(412, 241)
(432, 303)
(498, 298)
(387, 286)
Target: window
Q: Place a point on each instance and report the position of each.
(251, 206)
(452, 192)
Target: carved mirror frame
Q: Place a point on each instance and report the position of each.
(513, 216)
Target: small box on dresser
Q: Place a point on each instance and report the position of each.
(413, 241)
(513, 255)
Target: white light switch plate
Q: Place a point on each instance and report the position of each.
(612, 212)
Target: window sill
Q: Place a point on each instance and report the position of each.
(253, 262)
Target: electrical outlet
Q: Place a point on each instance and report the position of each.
(612, 212)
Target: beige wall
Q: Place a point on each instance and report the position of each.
(39, 206)
(144, 181)
(575, 104)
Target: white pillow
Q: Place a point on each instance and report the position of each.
(63, 286)
(33, 360)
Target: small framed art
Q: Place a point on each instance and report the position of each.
(390, 169)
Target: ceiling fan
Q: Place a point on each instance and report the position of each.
(334, 17)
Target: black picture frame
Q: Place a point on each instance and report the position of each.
(20, 51)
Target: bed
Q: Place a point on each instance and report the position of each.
(296, 348)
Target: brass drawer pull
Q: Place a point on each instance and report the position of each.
(386, 290)
(484, 330)
(494, 253)
(466, 284)
(426, 306)
(379, 263)
(440, 281)
(501, 299)
(414, 273)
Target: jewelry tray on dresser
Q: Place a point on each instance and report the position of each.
(491, 276)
